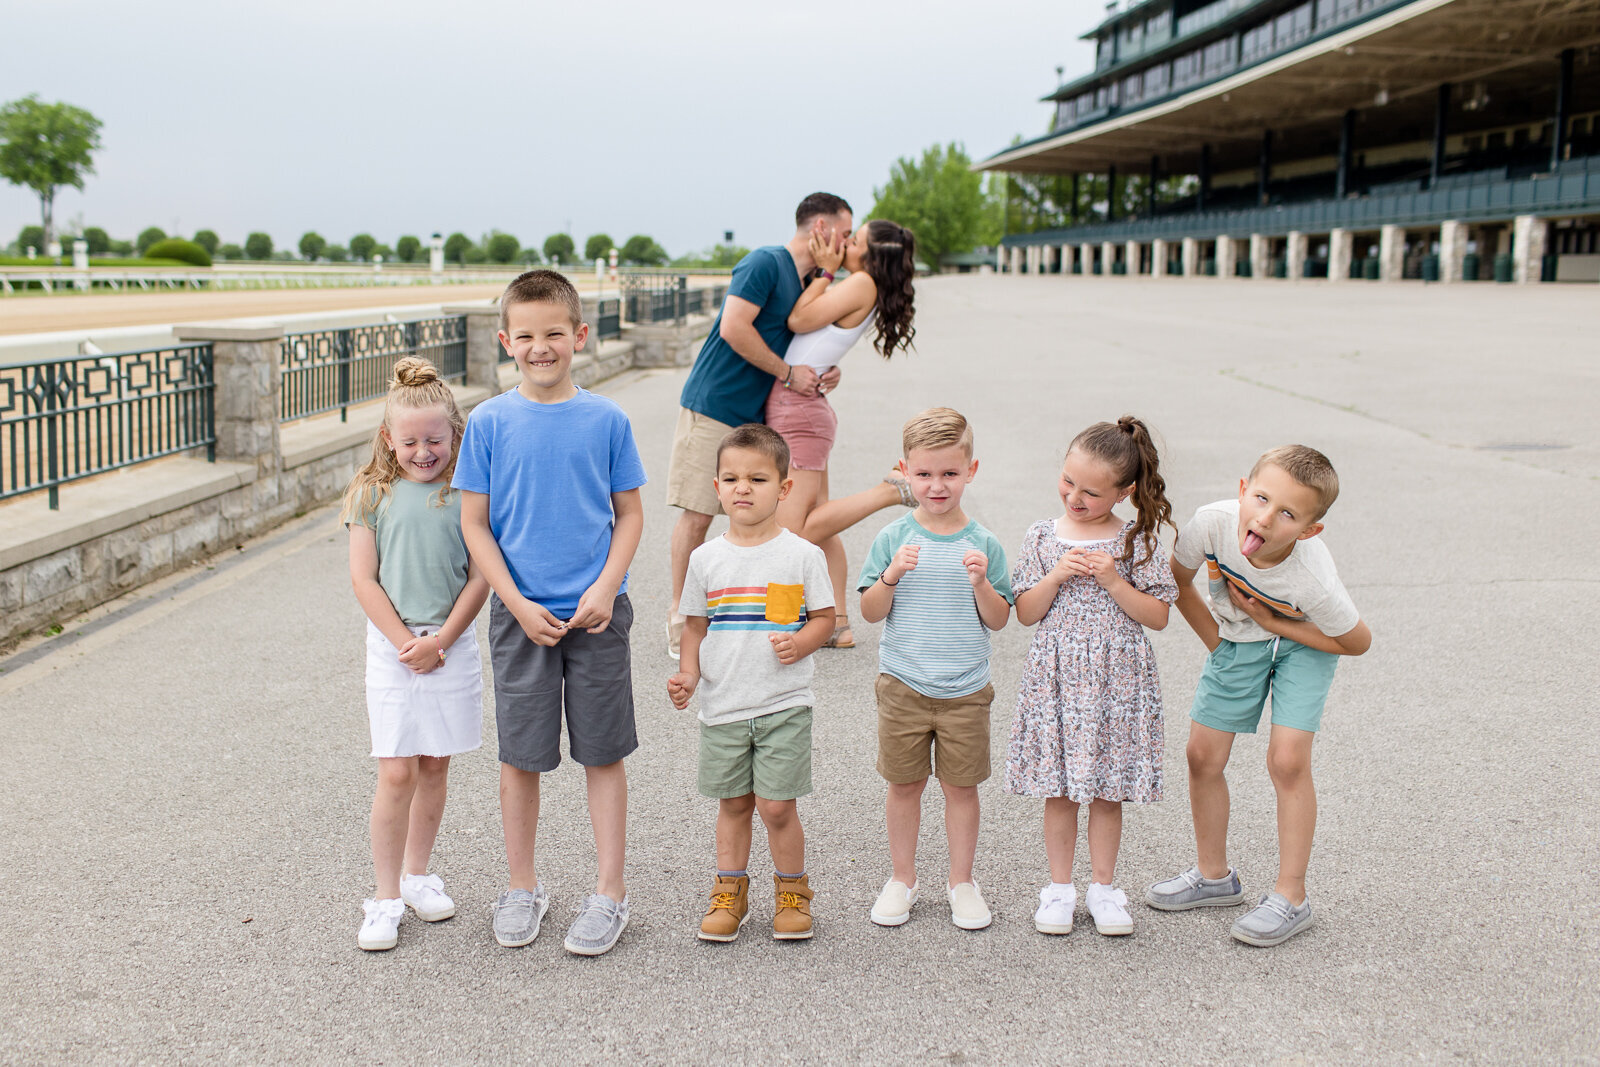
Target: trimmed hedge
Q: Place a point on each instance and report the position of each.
(181, 250)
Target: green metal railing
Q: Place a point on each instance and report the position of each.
(325, 370)
(65, 419)
(1577, 191)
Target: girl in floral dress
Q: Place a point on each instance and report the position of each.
(1088, 722)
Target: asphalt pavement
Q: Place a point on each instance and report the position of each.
(184, 827)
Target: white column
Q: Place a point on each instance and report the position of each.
(1259, 267)
(1133, 255)
(1452, 250)
(1391, 253)
(1066, 258)
(1227, 256)
(1191, 257)
(1108, 256)
(1296, 253)
(1158, 258)
(1015, 266)
(1340, 244)
(1527, 249)
(436, 254)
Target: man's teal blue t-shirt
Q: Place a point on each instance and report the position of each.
(549, 471)
(933, 639)
(723, 385)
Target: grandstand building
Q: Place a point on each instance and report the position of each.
(1384, 139)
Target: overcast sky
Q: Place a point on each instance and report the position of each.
(679, 120)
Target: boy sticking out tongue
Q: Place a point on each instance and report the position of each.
(1276, 619)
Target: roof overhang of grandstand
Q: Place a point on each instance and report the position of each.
(1387, 68)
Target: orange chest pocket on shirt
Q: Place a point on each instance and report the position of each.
(784, 603)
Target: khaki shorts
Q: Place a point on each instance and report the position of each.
(917, 733)
(692, 475)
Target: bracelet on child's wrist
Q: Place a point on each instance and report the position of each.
(440, 645)
(887, 582)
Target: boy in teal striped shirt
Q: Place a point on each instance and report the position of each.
(940, 582)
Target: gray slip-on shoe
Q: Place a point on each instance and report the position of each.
(517, 914)
(1272, 922)
(1193, 890)
(600, 922)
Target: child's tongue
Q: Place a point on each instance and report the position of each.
(1252, 542)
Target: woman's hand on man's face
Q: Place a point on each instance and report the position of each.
(827, 250)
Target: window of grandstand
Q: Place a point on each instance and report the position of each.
(1186, 70)
(1255, 43)
(1217, 57)
(1133, 88)
(1063, 113)
(1333, 12)
(1291, 26)
(1132, 39)
(1085, 104)
(1209, 15)
(1155, 80)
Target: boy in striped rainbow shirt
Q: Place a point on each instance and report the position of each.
(757, 602)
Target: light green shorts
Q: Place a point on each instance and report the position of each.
(769, 756)
(1238, 676)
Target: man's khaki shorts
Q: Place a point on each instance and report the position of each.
(692, 475)
(917, 733)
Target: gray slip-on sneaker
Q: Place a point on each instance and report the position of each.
(517, 914)
(1193, 890)
(600, 922)
(1272, 922)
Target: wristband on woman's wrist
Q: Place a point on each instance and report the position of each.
(788, 378)
(828, 274)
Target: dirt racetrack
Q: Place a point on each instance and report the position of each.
(99, 311)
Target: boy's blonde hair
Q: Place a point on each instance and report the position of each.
(1308, 467)
(416, 384)
(541, 286)
(936, 428)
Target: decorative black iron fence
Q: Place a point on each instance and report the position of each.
(326, 370)
(65, 419)
(608, 322)
(661, 297)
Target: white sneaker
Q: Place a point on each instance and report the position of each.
(424, 894)
(893, 905)
(967, 909)
(381, 928)
(1056, 905)
(1109, 908)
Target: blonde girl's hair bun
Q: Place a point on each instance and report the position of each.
(414, 371)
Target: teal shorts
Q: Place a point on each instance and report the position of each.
(1238, 676)
(769, 756)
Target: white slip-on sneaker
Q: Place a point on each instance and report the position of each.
(967, 909)
(424, 894)
(1109, 908)
(381, 928)
(1056, 905)
(893, 905)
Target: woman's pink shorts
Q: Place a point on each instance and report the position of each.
(807, 423)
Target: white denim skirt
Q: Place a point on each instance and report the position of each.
(435, 714)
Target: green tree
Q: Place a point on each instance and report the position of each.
(560, 246)
(31, 237)
(939, 199)
(475, 254)
(385, 252)
(502, 248)
(361, 247)
(208, 240)
(258, 246)
(336, 253)
(530, 257)
(598, 246)
(45, 146)
(122, 248)
(407, 248)
(230, 252)
(455, 247)
(99, 241)
(643, 250)
(311, 244)
(148, 237)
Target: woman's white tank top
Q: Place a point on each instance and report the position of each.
(824, 348)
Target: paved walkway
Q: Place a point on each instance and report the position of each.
(185, 801)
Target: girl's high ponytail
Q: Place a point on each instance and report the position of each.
(1127, 447)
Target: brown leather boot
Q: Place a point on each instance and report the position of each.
(730, 907)
(792, 919)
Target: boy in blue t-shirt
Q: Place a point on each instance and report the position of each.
(941, 583)
(551, 513)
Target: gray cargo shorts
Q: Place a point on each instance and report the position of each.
(590, 675)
